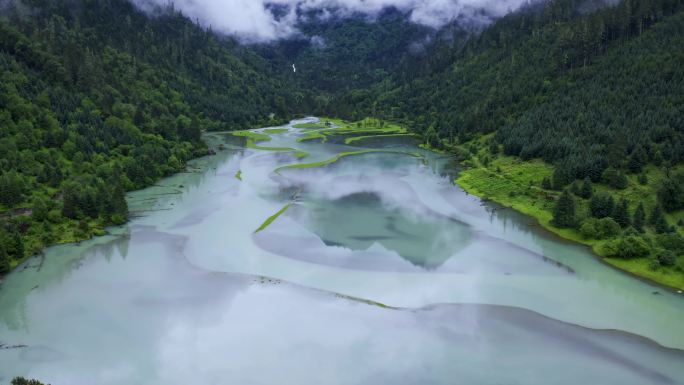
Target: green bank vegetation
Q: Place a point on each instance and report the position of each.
(624, 221)
(253, 137)
(362, 129)
(340, 156)
(312, 126)
(362, 137)
(312, 135)
(272, 218)
(275, 130)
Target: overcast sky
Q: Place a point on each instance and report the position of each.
(252, 20)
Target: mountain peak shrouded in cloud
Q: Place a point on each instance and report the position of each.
(267, 20)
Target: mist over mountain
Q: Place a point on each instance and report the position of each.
(268, 20)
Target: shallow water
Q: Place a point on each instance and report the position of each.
(380, 271)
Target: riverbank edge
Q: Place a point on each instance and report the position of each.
(461, 181)
(98, 227)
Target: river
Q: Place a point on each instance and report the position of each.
(373, 269)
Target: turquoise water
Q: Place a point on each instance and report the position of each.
(380, 271)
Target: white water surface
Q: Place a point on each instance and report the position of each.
(380, 271)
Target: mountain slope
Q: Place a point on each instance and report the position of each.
(97, 98)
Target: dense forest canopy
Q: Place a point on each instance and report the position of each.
(98, 97)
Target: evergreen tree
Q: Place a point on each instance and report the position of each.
(656, 214)
(587, 189)
(69, 203)
(564, 213)
(11, 188)
(11, 243)
(4, 259)
(619, 181)
(562, 176)
(621, 213)
(575, 188)
(637, 160)
(658, 220)
(601, 205)
(661, 226)
(639, 218)
(671, 192)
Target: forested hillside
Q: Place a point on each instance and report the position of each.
(338, 58)
(97, 98)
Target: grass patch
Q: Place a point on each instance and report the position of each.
(255, 136)
(298, 153)
(311, 135)
(335, 121)
(389, 129)
(359, 138)
(340, 156)
(272, 218)
(275, 130)
(310, 125)
(640, 267)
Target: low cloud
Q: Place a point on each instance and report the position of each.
(267, 20)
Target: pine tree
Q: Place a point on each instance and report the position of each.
(621, 213)
(639, 218)
(620, 182)
(564, 212)
(637, 160)
(4, 259)
(601, 205)
(69, 204)
(562, 176)
(655, 216)
(587, 189)
(661, 226)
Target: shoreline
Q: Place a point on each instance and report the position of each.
(559, 233)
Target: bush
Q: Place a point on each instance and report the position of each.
(614, 178)
(667, 258)
(671, 192)
(55, 216)
(680, 264)
(653, 265)
(672, 242)
(588, 228)
(118, 219)
(628, 247)
(607, 228)
(603, 228)
(643, 179)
